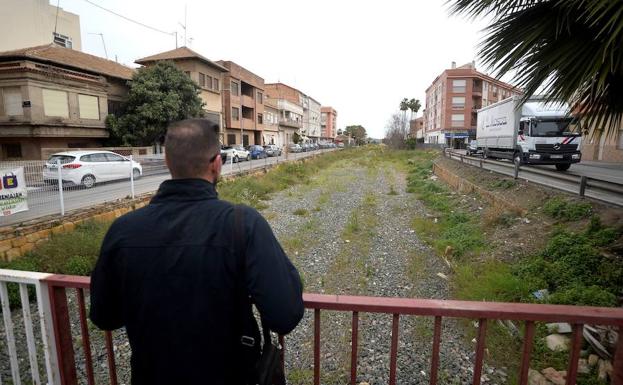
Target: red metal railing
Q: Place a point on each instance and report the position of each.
(397, 307)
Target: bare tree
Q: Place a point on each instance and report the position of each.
(395, 132)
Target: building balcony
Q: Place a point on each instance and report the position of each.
(290, 123)
(477, 91)
(248, 101)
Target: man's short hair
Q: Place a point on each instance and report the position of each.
(190, 146)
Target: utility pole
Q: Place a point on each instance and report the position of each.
(101, 35)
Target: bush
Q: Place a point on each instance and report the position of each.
(559, 208)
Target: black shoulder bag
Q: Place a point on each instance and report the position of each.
(263, 365)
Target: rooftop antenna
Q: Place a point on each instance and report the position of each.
(185, 22)
(58, 3)
(103, 43)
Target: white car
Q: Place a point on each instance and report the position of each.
(236, 153)
(86, 168)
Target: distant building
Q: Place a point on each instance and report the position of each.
(290, 109)
(243, 105)
(311, 118)
(452, 100)
(30, 23)
(416, 128)
(53, 97)
(602, 148)
(328, 122)
(311, 128)
(207, 74)
(271, 122)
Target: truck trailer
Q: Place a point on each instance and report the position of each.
(533, 133)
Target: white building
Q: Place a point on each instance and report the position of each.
(30, 23)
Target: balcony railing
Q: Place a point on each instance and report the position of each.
(60, 357)
(290, 123)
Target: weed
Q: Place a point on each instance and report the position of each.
(392, 190)
(301, 212)
(503, 184)
(566, 210)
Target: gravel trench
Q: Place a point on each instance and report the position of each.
(397, 264)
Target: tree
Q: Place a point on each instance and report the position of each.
(404, 106)
(414, 105)
(570, 49)
(296, 138)
(357, 132)
(395, 132)
(158, 95)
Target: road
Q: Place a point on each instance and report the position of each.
(45, 200)
(565, 181)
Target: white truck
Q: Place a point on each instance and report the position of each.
(533, 133)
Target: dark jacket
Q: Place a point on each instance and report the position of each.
(168, 272)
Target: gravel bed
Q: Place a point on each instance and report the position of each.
(394, 250)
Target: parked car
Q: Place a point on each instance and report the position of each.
(272, 150)
(257, 152)
(472, 148)
(295, 148)
(86, 168)
(236, 153)
(306, 147)
(340, 145)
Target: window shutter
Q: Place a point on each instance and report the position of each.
(89, 107)
(55, 103)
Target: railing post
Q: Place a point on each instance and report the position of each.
(583, 181)
(132, 176)
(617, 361)
(62, 332)
(47, 333)
(60, 186)
(353, 354)
(393, 353)
(316, 346)
(516, 173)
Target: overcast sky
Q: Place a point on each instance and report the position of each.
(361, 57)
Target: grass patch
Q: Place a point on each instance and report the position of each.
(503, 184)
(566, 210)
(392, 190)
(301, 212)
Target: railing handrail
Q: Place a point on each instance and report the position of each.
(467, 309)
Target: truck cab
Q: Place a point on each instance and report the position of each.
(549, 140)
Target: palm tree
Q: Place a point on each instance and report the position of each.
(404, 106)
(570, 50)
(414, 106)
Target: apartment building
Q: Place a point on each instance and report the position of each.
(288, 101)
(452, 100)
(31, 23)
(328, 123)
(243, 105)
(54, 97)
(311, 118)
(271, 123)
(208, 75)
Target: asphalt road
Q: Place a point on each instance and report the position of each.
(570, 184)
(45, 200)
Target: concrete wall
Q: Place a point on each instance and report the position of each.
(29, 23)
(602, 148)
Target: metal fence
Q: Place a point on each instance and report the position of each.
(70, 349)
(56, 191)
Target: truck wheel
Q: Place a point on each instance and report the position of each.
(562, 167)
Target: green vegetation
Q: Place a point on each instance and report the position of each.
(503, 184)
(301, 212)
(566, 210)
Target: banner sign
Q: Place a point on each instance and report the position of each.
(13, 194)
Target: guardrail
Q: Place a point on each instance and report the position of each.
(582, 184)
(62, 369)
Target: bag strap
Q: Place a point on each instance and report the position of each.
(240, 244)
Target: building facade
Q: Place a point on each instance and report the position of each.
(416, 128)
(453, 99)
(207, 74)
(290, 109)
(311, 118)
(602, 148)
(271, 123)
(328, 123)
(243, 105)
(53, 97)
(31, 23)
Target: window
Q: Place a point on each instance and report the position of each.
(260, 98)
(89, 107)
(458, 86)
(62, 40)
(202, 80)
(55, 103)
(208, 81)
(12, 101)
(235, 113)
(260, 119)
(231, 139)
(216, 84)
(114, 158)
(458, 120)
(12, 150)
(458, 102)
(234, 88)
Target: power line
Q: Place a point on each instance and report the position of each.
(128, 19)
